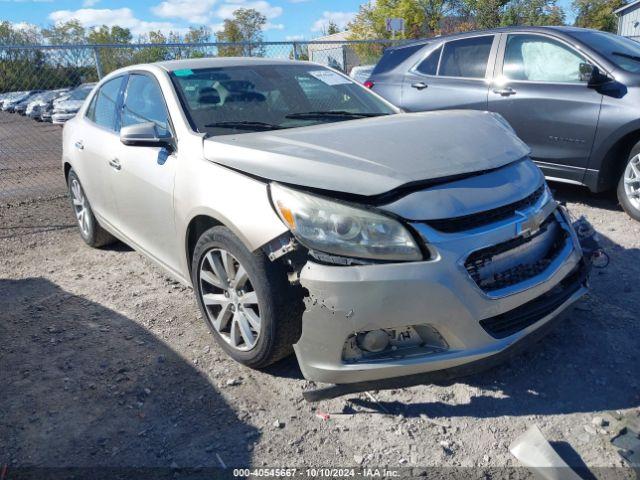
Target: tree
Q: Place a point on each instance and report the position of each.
(533, 13)
(112, 58)
(70, 32)
(245, 26)
(332, 28)
(596, 14)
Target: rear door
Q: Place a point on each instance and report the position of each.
(453, 74)
(144, 188)
(93, 144)
(539, 90)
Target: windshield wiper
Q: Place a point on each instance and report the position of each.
(626, 55)
(333, 114)
(245, 125)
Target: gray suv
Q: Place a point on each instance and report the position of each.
(571, 94)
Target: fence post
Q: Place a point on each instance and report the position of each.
(96, 56)
(295, 51)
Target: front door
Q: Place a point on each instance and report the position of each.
(92, 149)
(144, 188)
(539, 90)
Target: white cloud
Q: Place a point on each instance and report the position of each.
(122, 17)
(226, 11)
(341, 19)
(194, 11)
(294, 38)
(212, 12)
(90, 3)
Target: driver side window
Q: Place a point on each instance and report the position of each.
(143, 102)
(536, 58)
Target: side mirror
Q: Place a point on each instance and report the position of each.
(145, 135)
(592, 75)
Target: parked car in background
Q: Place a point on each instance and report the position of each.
(571, 94)
(67, 109)
(36, 106)
(13, 99)
(47, 111)
(361, 73)
(21, 106)
(309, 214)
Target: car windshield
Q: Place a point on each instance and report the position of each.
(625, 53)
(229, 100)
(80, 93)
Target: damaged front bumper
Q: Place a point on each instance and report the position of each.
(437, 313)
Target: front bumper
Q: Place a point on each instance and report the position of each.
(439, 292)
(59, 118)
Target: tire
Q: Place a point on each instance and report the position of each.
(629, 184)
(278, 305)
(90, 230)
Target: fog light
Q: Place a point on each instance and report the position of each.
(373, 341)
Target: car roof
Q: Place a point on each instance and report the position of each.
(195, 63)
(563, 29)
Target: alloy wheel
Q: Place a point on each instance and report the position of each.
(229, 299)
(80, 206)
(632, 181)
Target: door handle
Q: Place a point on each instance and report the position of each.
(419, 85)
(79, 145)
(115, 163)
(505, 92)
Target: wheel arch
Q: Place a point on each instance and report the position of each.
(615, 158)
(66, 168)
(196, 227)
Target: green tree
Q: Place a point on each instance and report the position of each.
(112, 58)
(332, 28)
(245, 26)
(596, 14)
(533, 13)
(65, 33)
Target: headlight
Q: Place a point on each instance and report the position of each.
(338, 229)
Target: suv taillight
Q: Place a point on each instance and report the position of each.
(369, 84)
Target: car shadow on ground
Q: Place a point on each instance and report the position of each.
(564, 192)
(84, 386)
(590, 362)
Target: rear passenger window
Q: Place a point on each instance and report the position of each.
(429, 66)
(102, 110)
(466, 58)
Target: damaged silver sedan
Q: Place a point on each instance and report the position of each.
(309, 214)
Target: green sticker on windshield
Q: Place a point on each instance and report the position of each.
(185, 72)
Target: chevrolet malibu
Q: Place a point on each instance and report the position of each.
(309, 214)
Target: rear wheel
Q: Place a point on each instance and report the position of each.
(629, 185)
(246, 300)
(90, 230)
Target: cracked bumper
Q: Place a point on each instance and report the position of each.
(438, 292)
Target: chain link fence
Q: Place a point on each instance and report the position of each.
(30, 146)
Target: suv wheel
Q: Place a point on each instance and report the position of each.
(90, 230)
(246, 300)
(629, 185)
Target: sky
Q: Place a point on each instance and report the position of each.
(286, 19)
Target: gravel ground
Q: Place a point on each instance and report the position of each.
(30, 155)
(106, 362)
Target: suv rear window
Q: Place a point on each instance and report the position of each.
(394, 57)
(466, 58)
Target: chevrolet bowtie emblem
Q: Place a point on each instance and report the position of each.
(532, 221)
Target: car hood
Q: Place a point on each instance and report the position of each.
(374, 155)
(69, 105)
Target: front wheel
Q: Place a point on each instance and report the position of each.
(629, 186)
(246, 300)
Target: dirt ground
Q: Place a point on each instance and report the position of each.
(30, 155)
(106, 362)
